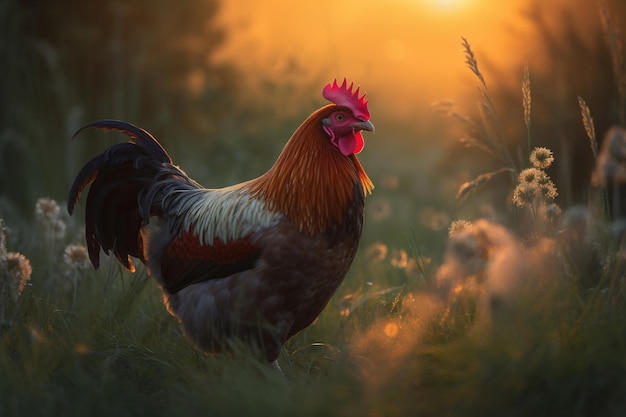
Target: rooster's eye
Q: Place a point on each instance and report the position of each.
(339, 117)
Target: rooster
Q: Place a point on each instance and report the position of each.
(253, 263)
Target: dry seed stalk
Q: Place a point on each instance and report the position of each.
(526, 102)
(589, 127)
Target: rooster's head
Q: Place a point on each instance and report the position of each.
(345, 123)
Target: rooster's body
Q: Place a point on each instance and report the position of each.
(255, 262)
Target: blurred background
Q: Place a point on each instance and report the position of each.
(223, 85)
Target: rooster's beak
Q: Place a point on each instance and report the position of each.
(364, 125)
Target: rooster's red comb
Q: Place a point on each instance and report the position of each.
(343, 96)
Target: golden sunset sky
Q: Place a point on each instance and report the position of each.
(404, 52)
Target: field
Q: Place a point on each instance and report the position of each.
(497, 297)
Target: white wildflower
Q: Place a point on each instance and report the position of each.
(76, 256)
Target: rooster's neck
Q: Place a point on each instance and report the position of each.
(311, 182)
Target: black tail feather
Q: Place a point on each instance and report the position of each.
(140, 135)
(117, 177)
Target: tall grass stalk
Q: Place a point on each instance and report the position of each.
(589, 126)
(487, 107)
(526, 103)
(590, 130)
(488, 135)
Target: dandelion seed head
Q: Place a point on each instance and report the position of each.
(615, 141)
(469, 253)
(19, 271)
(548, 190)
(531, 175)
(525, 194)
(541, 157)
(47, 215)
(611, 161)
(76, 256)
(534, 184)
(458, 226)
(543, 180)
(47, 209)
(468, 245)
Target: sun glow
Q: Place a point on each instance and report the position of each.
(417, 40)
(447, 4)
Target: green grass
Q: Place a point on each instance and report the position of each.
(378, 349)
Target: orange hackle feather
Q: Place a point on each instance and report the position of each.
(310, 182)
